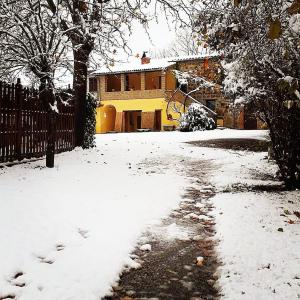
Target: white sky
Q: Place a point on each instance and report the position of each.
(160, 33)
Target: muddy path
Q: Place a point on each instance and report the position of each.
(182, 261)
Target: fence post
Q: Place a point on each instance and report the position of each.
(51, 130)
(19, 101)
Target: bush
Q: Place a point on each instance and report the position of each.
(90, 122)
(196, 118)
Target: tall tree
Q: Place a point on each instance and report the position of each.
(259, 40)
(103, 25)
(30, 42)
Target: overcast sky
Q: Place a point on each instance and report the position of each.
(160, 33)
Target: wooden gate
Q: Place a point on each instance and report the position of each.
(24, 124)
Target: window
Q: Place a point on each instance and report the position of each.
(152, 80)
(183, 86)
(211, 104)
(133, 82)
(93, 84)
(113, 83)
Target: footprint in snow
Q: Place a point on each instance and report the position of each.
(18, 274)
(84, 233)
(60, 247)
(10, 296)
(16, 280)
(45, 260)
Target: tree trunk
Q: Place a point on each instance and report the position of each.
(81, 58)
(48, 98)
(50, 151)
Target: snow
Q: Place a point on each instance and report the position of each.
(209, 54)
(169, 233)
(92, 204)
(68, 232)
(200, 261)
(294, 23)
(146, 247)
(196, 118)
(134, 65)
(260, 262)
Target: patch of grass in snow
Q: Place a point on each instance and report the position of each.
(244, 187)
(239, 144)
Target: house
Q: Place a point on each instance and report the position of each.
(145, 94)
(243, 116)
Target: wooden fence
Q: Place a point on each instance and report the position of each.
(24, 123)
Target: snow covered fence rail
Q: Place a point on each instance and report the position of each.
(24, 124)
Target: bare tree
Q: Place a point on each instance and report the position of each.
(30, 42)
(178, 100)
(102, 26)
(186, 43)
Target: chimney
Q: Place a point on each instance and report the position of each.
(145, 59)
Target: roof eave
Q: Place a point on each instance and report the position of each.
(195, 58)
(133, 71)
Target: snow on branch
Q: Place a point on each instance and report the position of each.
(185, 78)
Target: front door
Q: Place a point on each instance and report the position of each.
(157, 120)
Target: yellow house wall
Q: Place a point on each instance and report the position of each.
(145, 105)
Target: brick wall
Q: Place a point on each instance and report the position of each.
(209, 70)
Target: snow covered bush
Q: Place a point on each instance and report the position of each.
(90, 122)
(196, 118)
(259, 41)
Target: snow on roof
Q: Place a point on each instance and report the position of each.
(193, 57)
(154, 65)
(136, 66)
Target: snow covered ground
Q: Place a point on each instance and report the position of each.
(67, 232)
(260, 262)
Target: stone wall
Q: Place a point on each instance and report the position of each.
(210, 70)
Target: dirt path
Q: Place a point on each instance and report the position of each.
(171, 270)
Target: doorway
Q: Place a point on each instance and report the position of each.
(250, 119)
(157, 120)
(132, 120)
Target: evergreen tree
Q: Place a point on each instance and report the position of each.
(90, 122)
